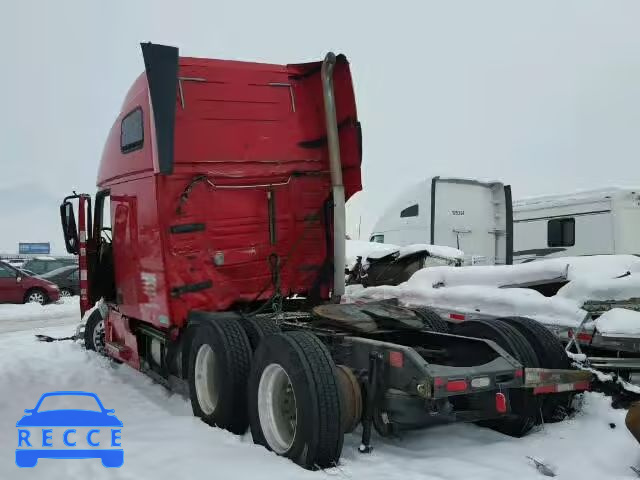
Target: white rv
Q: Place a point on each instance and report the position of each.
(469, 215)
(595, 222)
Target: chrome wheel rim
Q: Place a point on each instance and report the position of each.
(65, 293)
(277, 408)
(205, 379)
(98, 337)
(36, 297)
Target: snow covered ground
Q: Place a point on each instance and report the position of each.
(162, 440)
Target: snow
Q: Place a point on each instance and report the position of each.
(619, 322)
(490, 275)
(163, 441)
(359, 248)
(477, 299)
(602, 289)
(434, 251)
(601, 277)
(596, 266)
(31, 315)
(581, 269)
(373, 250)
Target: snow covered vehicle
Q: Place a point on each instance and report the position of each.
(222, 269)
(384, 264)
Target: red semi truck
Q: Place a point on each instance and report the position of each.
(216, 240)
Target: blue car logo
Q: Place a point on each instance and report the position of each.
(36, 431)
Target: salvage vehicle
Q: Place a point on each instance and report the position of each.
(19, 287)
(394, 265)
(217, 242)
(66, 278)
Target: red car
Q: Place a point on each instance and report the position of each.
(18, 287)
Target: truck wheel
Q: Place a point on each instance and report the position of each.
(524, 405)
(551, 354)
(294, 400)
(432, 321)
(219, 362)
(94, 333)
(258, 328)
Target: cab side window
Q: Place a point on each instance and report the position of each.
(132, 131)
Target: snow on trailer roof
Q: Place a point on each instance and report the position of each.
(575, 198)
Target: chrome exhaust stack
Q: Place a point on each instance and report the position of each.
(337, 187)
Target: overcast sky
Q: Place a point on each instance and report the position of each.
(544, 95)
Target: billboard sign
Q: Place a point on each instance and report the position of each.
(40, 248)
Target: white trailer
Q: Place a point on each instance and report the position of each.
(596, 222)
(469, 215)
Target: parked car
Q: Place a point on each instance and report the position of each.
(67, 279)
(40, 265)
(17, 287)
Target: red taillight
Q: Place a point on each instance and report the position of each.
(545, 389)
(582, 337)
(456, 316)
(501, 403)
(396, 359)
(438, 382)
(585, 337)
(519, 373)
(457, 386)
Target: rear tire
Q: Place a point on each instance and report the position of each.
(258, 328)
(294, 400)
(551, 354)
(219, 362)
(432, 321)
(524, 405)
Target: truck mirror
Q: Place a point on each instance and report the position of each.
(69, 228)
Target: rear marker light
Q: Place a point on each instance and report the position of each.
(396, 359)
(456, 316)
(585, 337)
(438, 382)
(501, 403)
(519, 373)
(480, 382)
(562, 387)
(457, 386)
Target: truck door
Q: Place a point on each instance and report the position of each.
(471, 216)
(77, 240)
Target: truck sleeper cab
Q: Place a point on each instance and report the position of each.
(216, 241)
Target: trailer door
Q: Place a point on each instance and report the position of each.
(473, 217)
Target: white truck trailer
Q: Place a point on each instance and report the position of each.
(469, 215)
(595, 222)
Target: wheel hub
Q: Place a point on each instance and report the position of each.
(277, 408)
(98, 337)
(205, 379)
